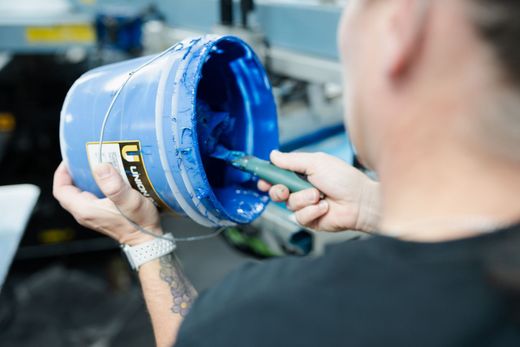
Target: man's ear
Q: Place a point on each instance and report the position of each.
(408, 24)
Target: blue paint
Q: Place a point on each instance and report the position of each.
(248, 203)
(212, 128)
(225, 154)
(207, 93)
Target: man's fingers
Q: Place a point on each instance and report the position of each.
(62, 176)
(128, 200)
(279, 193)
(302, 199)
(309, 214)
(264, 186)
(297, 162)
(63, 190)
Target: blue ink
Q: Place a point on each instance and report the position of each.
(186, 133)
(225, 154)
(236, 191)
(216, 104)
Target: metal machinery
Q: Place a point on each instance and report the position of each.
(295, 38)
(43, 48)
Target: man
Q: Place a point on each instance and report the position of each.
(433, 93)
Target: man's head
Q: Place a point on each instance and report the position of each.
(422, 74)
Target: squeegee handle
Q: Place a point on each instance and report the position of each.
(275, 175)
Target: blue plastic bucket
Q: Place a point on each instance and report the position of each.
(158, 125)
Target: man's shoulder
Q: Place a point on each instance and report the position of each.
(282, 282)
(277, 294)
(290, 272)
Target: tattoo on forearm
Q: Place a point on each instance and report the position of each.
(181, 289)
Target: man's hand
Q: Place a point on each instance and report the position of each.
(101, 214)
(351, 198)
(167, 292)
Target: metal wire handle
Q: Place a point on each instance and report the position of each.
(218, 231)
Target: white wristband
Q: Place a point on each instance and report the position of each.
(148, 251)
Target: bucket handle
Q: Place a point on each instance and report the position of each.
(173, 240)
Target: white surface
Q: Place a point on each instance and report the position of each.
(16, 205)
(35, 7)
(41, 12)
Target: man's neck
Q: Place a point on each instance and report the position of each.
(448, 195)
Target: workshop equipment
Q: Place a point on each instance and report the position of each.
(146, 114)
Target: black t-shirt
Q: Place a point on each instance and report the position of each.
(376, 292)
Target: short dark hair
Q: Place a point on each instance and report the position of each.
(498, 23)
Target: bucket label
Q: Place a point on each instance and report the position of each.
(126, 157)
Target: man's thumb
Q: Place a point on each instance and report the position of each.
(102, 171)
(128, 200)
(297, 162)
(109, 181)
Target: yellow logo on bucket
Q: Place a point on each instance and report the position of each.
(131, 158)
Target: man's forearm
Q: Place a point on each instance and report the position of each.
(168, 295)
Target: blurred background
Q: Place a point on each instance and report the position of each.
(68, 286)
